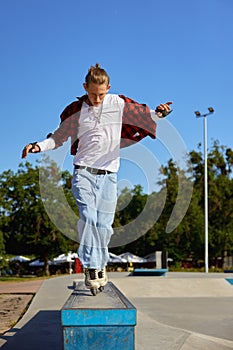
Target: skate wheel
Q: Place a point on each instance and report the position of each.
(101, 288)
(94, 292)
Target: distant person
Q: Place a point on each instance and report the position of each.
(99, 124)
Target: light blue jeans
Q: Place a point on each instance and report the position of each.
(96, 197)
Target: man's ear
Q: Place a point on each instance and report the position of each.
(85, 86)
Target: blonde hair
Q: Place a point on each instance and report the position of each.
(97, 75)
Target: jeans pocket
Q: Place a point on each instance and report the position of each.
(113, 177)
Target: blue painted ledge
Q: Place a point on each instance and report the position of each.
(105, 321)
(149, 272)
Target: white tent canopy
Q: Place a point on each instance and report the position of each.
(150, 257)
(113, 258)
(65, 258)
(38, 262)
(62, 258)
(20, 258)
(129, 257)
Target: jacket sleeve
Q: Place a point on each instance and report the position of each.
(136, 122)
(68, 127)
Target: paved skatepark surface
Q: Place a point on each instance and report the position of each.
(181, 311)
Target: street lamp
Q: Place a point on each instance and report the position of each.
(198, 115)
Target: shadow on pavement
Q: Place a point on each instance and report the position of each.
(42, 332)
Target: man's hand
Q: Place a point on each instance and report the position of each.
(163, 109)
(30, 148)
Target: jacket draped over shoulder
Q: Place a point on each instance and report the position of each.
(136, 123)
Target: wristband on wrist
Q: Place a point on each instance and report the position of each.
(163, 112)
(33, 146)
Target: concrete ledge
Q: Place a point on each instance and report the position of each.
(105, 321)
(149, 272)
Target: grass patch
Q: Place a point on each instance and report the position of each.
(22, 279)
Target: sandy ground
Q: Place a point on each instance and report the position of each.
(12, 307)
(15, 297)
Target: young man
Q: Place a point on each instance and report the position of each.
(99, 124)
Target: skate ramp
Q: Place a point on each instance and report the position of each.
(187, 287)
(175, 312)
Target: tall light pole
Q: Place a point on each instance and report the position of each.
(198, 115)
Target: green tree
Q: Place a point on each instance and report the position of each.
(178, 240)
(26, 226)
(220, 197)
(220, 201)
(38, 213)
(2, 246)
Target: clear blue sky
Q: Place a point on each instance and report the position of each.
(154, 51)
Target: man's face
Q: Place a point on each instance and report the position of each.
(96, 93)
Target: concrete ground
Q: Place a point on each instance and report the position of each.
(181, 311)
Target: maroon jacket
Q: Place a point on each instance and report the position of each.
(136, 123)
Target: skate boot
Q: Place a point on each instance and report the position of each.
(103, 279)
(92, 280)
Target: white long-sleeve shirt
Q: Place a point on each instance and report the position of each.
(99, 134)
